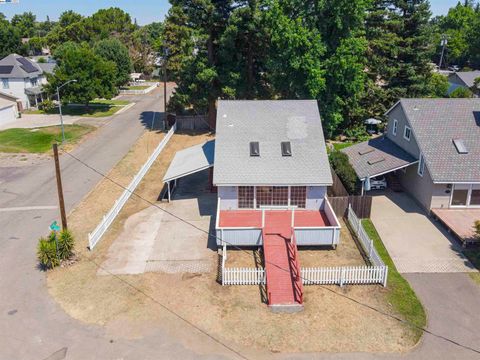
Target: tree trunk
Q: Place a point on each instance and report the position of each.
(212, 114)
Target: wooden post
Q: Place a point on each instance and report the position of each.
(59, 187)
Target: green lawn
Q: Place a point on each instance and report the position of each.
(137, 87)
(97, 109)
(110, 102)
(342, 145)
(400, 295)
(474, 256)
(39, 140)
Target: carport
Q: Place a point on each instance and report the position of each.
(189, 161)
(377, 157)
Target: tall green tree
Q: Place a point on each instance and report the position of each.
(95, 77)
(114, 50)
(10, 38)
(25, 23)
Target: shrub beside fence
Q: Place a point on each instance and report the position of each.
(95, 236)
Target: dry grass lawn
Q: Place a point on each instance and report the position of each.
(236, 315)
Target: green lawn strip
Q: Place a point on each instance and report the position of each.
(137, 87)
(110, 102)
(39, 140)
(400, 295)
(342, 145)
(474, 257)
(96, 110)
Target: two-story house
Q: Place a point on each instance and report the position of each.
(23, 79)
(271, 171)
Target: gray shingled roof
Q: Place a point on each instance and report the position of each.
(16, 70)
(468, 77)
(377, 156)
(270, 123)
(435, 123)
(47, 68)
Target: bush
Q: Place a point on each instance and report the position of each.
(461, 92)
(47, 249)
(47, 253)
(476, 228)
(344, 170)
(66, 242)
(47, 105)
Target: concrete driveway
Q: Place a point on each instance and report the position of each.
(154, 241)
(415, 243)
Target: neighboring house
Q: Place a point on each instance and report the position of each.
(23, 79)
(271, 171)
(433, 147)
(8, 111)
(463, 79)
(12, 98)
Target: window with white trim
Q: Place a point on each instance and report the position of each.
(407, 133)
(421, 165)
(272, 196)
(245, 197)
(395, 127)
(298, 196)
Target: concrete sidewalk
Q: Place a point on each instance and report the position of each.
(30, 121)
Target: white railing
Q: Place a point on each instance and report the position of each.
(346, 275)
(95, 236)
(243, 276)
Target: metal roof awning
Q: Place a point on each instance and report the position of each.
(377, 157)
(191, 160)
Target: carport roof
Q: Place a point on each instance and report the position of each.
(191, 160)
(377, 157)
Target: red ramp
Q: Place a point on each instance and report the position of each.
(284, 285)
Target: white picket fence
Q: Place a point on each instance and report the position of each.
(243, 276)
(344, 275)
(365, 241)
(95, 236)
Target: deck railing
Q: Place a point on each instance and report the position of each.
(345, 275)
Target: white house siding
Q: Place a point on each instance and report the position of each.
(8, 115)
(315, 197)
(228, 197)
(17, 88)
(440, 197)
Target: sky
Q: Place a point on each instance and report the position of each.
(145, 11)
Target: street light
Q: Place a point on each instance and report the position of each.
(166, 51)
(60, 106)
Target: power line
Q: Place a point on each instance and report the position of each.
(365, 305)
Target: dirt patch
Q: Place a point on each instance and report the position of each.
(133, 306)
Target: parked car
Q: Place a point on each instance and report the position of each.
(378, 183)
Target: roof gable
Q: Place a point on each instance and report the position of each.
(270, 123)
(16, 66)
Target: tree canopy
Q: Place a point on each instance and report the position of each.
(113, 50)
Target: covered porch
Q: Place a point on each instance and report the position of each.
(35, 96)
(460, 223)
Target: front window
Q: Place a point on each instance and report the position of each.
(407, 133)
(5, 84)
(298, 196)
(272, 196)
(34, 81)
(245, 197)
(460, 195)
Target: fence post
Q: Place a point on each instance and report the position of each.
(385, 276)
(342, 276)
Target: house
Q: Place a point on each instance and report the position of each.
(463, 79)
(433, 147)
(8, 111)
(22, 79)
(271, 171)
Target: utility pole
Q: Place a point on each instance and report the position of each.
(59, 187)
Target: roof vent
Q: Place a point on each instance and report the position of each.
(286, 148)
(460, 146)
(254, 148)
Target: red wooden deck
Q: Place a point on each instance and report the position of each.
(253, 218)
(459, 221)
(280, 260)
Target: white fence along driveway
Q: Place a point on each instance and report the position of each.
(415, 242)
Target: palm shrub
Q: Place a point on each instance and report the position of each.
(66, 242)
(47, 253)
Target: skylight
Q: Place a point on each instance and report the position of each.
(254, 148)
(460, 146)
(286, 148)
